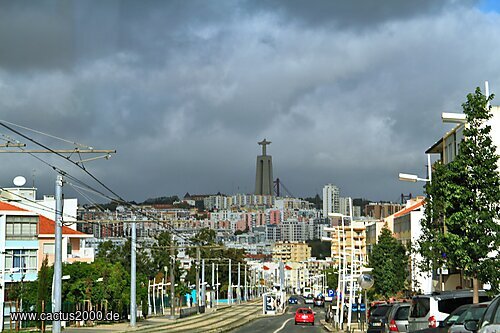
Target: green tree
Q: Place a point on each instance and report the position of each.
(332, 278)
(464, 196)
(389, 261)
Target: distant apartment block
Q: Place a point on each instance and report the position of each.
(345, 205)
(380, 210)
(346, 241)
(293, 230)
(356, 211)
(291, 251)
(331, 199)
(221, 202)
(373, 230)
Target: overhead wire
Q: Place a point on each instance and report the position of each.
(62, 156)
(118, 198)
(46, 134)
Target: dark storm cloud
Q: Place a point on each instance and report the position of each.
(185, 89)
(356, 14)
(35, 35)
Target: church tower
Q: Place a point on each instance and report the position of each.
(264, 173)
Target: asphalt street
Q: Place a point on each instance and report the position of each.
(285, 322)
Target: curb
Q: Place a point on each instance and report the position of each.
(326, 325)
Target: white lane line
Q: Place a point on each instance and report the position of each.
(283, 326)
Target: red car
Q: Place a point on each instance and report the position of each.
(304, 315)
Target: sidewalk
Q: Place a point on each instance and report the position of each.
(355, 327)
(224, 314)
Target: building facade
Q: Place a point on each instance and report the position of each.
(291, 251)
(331, 199)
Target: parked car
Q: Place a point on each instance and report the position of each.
(378, 318)
(427, 311)
(293, 300)
(490, 322)
(304, 315)
(319, 301)
(373, 306)
(445, 325)
(397, 319)
(309, 299)
(473, 312)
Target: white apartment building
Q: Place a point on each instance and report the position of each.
(345, 204)
(331, 199)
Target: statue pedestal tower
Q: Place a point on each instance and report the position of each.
(264, 173)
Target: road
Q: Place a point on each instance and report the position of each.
(284, 323)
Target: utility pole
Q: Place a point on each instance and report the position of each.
(133, 302)
(57, 277)
(172, 277)
(238, 291)
(282, 276)
(198, 255)
(230, 287)
(217, 286)
(246, 285)
(57, 299)
(213, 283)
(203, 284)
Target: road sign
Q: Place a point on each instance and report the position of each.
(331, 293)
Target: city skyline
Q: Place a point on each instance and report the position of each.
(347, 92)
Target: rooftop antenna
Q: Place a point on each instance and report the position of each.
(33, 177)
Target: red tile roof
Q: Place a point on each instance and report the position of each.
(46, 226)
(7, 206)
(409, 209)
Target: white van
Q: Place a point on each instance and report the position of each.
(427, 311)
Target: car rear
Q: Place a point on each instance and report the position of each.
(378, 318)
(427, 311)
(398, 318)
(309, 299)
(319, 301)
(304, 315)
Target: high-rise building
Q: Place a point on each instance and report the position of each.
(345, 206)
(331, 200)
(264, 172)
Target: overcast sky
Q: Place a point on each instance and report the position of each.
(349, 92)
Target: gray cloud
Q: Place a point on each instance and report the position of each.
(184, 90)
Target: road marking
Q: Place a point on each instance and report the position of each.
(283, 326)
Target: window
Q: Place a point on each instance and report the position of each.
(381, 310)
(419, 307)
(449, 305)
(402, 313)
(496, 320)
(22, 261)
(472, 313)
(489, 316)
(21, 227)
(48, 248)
